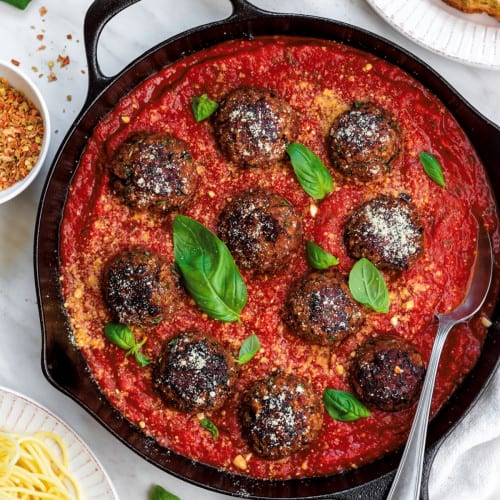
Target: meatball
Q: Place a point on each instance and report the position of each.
(153, 171)
(362, 142)
(387, 231)
(280, 416)
(261, 229)
(193, 373)
(254, 126)
(140, 287)
(387, 373)
(320, 309)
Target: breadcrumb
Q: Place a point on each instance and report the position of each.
(21, 134)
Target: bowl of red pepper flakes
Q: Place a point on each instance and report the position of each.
(24, 131)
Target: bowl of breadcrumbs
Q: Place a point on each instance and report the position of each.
(24, 131)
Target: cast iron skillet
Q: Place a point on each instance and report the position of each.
(62, 363)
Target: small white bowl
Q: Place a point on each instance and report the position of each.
(21, 82)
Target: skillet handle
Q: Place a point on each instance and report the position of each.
(242, 9)
(98, 15)
(101, 12)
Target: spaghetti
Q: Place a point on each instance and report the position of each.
(35, 467)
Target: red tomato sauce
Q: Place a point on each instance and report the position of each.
(319, 79)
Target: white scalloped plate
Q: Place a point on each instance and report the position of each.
(21, 414)
(472, 39)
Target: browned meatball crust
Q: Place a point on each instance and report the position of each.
(280, 416)
(193, 373)
(319, 308)
(387, 231)
(254, 126)
(261, 229)
(387, 373)
(362, 142)
(153, 171)
(140, 287)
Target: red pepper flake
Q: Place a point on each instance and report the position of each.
(63, 60)
(39, 37)
(15, 62)
(21, 137)
(42, 10)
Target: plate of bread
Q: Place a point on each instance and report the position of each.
(467, 31)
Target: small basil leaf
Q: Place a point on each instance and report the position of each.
(210, 427)
(343, 406)
(368, 287)
(208, 269)
(159, 493)
(141, 359)
(319, 258)
(248, 349)
(311, 172)
(432, 167)
(203, 107)
(123, 337)
(120, 335)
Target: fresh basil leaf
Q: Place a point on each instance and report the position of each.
(159, 493)
(432, 168)
(249, 348)
(123, 337)
(319, 258)
(311, 172)
(120, 335)
(141, 358)
(208, 270)
(203, 107)
(368, 287)
(210, 427)
(343, 406)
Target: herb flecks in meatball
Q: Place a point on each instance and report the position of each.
(387, 231)
(261, 229)
(319, 308)
(140, 287)
(280, 416)
(362, 142)
(387, 373)
(193, 373)
(153, 171)
(254, 126)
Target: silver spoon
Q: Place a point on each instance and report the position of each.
(406, 485)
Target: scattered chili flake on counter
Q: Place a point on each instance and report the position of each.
(63, 60)
(21, 133)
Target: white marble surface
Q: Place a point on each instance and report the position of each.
(127, 36)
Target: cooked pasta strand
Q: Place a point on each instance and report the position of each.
(30, 470)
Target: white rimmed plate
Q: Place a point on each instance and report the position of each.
(21, 414)
(472, 39)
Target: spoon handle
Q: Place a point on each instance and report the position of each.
(406, 485)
